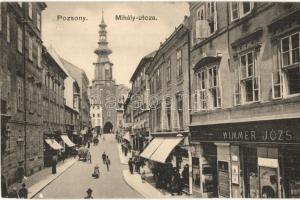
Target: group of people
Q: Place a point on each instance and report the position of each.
(168, 177)
(135, 164)
(106, 161)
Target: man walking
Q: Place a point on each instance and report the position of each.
(103, 157)
(54, 162)
(130, 164)
(107, 161)
(89, 194)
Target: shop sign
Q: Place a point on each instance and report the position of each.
(276, 131)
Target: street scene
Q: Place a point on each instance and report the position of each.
(150, 99)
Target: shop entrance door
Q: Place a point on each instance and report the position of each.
(250, 172)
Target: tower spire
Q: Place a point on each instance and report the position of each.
(102, 19)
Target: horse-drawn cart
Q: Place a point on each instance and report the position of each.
(82, 153)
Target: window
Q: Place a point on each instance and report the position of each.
(38, 21)
(249, 81)
(98, 115)
(240, 9)
(20, 95)
(93, 115)
(179, 99)
(207, 94)
(179, 61)
(206, 21)
(158, 116)
(7, 28)
(30, 44)
(290, 53)
(20, 39)
(168, 112)
(169, 70)
(158, 79)
(30, 10)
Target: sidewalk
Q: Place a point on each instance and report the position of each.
(145, 189)
(38, 181)
(123, 158)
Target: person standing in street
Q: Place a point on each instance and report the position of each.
(23, 192)
(54, 162)
(103, 158)
(89, 194)
(130, 164)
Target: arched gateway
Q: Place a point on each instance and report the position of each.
(108, 127)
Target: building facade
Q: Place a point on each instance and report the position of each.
(245, 107)
(21, 88)
(169, 106)
(83, 82)
(103, 93)
(140, 102)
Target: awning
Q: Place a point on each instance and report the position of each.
(151, 148)
(53, 144)
(126, 136)
(67, 140)
(165, 148)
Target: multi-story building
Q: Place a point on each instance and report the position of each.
(169, 104)
(83, 82)
(53, 102)
(21, 88)
(245, 79)
(139, 98)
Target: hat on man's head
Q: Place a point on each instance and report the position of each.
(89, 190)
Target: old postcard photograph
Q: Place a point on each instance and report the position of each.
(140, 99)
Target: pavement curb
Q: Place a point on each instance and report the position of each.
(132, 186)
(35, 193)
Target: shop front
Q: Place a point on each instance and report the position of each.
(52, 148)
(69, 146)
(169, 160)
(256, 159)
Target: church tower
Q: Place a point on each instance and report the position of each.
(103, 89)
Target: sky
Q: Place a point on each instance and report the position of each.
(129, 40)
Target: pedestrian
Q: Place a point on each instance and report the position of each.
(89, 194)
(130, 164)
(89, 157)
(20, 173)
(137, 165)
(88, 144)
(54, 162)
(63, 156)
(103, 158)
(23, 192)
(13, 193)
(126, 151)
(143, 176)
(96, 172)
(107, 161)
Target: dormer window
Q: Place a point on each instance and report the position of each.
(206, 21)
(240, 9)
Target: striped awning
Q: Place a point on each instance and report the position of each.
(53, 144)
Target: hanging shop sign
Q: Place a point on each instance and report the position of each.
(270, 131)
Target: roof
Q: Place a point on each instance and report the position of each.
(55, 57)
(142, 63)
(73, 70)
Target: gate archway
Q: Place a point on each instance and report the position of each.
(108, 127)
